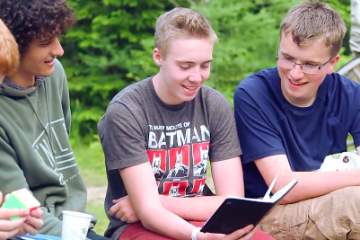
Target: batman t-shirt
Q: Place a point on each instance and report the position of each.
(177, 140)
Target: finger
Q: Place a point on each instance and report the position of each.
(8, 234)
(30, 229)
(37, 223)
(251, 234)
(116, 200)
(123, 219)
(114, 209)
(10, 225)
(238, 234)
(256, 228)
(9, 213)
(1, 198)
(119, 214)
(37, 213)
(132, 220)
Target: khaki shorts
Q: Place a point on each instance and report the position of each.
(334, 216)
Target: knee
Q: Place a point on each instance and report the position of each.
(351, 196)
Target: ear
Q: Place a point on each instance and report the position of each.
(157, 57)
(332, 64)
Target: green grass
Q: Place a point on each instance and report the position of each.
(91, 163)
(98, 210)
(92, 167)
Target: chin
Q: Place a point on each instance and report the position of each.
(46, 74)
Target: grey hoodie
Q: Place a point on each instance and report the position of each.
(34, 147)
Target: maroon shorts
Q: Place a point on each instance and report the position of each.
(137, 232)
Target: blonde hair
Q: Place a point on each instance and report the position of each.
(183, 23)
(310, 21)
(9, 52)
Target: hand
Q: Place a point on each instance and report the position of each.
(33, 222)
(123, 210)
(245, 233)
(10, 228)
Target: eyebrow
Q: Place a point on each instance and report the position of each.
(41, 40)
(307, 60)
(190, 62)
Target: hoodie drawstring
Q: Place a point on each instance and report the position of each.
(47, 131)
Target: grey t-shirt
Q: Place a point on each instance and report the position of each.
(177, 140)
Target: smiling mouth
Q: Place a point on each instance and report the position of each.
(190, 88)
(296, 83)
(49, 61)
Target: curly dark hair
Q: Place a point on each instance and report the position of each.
(36, 19)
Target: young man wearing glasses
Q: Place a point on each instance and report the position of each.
(290, 117)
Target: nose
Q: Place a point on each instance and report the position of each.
(196, 75)
(57, 49)
(296, 72)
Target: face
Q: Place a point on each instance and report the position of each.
(38, 60)
(300, 88)
(184, 70)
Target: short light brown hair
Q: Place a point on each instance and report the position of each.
(183, 23)
(9, 52)
(312, 20)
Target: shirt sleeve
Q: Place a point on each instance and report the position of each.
(224, 143)
(355, 126)
(123, 137)
(258, 137)
(12, 178)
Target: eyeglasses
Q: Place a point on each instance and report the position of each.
(305, 67)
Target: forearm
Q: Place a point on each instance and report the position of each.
(194, 208)
(146, 202)
(315, 184)
(163, 222)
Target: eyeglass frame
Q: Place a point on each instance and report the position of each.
(302, 64)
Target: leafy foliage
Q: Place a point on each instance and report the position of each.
(108, 49)
(111, 47)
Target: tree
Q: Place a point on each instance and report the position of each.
(111, 47)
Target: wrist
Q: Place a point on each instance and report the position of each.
(201, 236)
(195, 234)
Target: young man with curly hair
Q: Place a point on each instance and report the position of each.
(159, 134)
(9, 62)
(290, 117)
(34, 147)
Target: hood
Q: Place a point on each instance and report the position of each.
(8, 88)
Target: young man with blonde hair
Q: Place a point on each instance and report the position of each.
(290, 117)
(158, 134)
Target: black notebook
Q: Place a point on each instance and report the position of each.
(235, 213)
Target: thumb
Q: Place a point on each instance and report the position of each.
(116, 200)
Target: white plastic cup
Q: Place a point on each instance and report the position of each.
(75, 225)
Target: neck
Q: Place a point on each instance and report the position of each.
(298, 102)
(22, 79)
